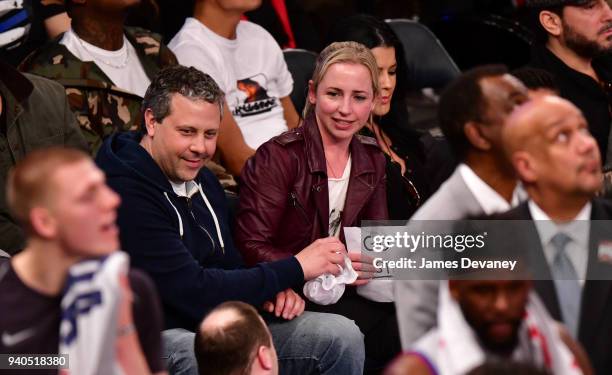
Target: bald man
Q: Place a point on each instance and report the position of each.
(558, 162)
(554, 154)
(234, 339)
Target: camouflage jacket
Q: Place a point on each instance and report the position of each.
(36, 115)
(101, 108)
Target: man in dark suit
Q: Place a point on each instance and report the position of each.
(558, 160)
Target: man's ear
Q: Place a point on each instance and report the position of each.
(265, 357)
(474, 135)
(525, 167)
(312, 95)
(551, 22)
(43, 223)
(150, 122)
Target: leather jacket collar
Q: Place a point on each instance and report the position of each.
(362, 163)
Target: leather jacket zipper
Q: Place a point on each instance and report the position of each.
(299, 207)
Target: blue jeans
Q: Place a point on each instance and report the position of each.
(313, 343)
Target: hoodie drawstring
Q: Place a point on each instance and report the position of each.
(177, 214)
(212, 212)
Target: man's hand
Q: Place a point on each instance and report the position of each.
(288, 304)
(363, 265)
(322, 256)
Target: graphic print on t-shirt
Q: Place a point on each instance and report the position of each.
(335, 219)
(252, 97)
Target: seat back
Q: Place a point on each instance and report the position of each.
(500, 40)
(427, 62)
(300, 63)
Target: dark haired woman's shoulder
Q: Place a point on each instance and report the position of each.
(440, 161)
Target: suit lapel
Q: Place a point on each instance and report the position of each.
(543, 283)
(548, 294)
(597, 286)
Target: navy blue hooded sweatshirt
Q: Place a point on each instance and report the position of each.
(174, 239)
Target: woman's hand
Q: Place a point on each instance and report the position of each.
(363, 265)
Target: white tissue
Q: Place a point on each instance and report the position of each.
(327, 288)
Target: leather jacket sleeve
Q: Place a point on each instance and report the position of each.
(265, 184)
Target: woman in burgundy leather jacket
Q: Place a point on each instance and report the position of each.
(310, 182)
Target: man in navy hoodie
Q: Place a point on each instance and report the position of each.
(174, 225)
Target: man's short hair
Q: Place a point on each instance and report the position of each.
(230, 346)
(187, 81)
(548, 4)
(28, 183)
(463, 101)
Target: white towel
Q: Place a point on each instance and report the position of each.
(89, 315)
(327, 288)
(458, 350)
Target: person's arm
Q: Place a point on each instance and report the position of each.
(231, 144)
(264, 197)
(291, 116)
(148, 319)
(57, 24)
(54, 16)
(128, 350)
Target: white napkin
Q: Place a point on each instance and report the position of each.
(327, 288)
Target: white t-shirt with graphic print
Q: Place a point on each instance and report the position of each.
(250, 70)
(337, 188)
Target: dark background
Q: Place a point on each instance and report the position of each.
(473, 31)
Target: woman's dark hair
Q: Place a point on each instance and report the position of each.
(373, 32)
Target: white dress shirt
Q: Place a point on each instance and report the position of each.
(577, 229)
(490, 200)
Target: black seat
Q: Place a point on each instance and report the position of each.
(427, 62)
(300, 63)
(495, 40)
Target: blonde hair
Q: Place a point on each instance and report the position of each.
(342, 52)
(28, 184)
